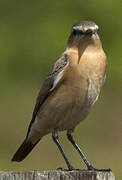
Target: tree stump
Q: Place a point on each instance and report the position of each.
(56, 175)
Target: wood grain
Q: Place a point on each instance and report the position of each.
(56, 175)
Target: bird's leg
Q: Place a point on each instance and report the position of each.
(56, 140)
(89, 166)
(70, 138)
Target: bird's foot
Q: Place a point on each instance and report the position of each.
(70, 168)
(62, 169)
(91, 168)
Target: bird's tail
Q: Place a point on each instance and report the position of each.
(25, 148)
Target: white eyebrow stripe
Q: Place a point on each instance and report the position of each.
(96, 26)
(93, 28)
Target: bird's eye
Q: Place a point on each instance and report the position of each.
(89, 31)
(74, 32)
(77, 32)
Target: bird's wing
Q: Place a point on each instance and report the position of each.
(50, 83)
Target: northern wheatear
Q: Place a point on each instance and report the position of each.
(69, 91)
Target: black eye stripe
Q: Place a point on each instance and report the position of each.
(74, 32)
(77, 32)
(81, 32)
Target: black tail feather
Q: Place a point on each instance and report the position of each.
(23, 150)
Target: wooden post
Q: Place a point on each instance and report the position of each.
(56, 175)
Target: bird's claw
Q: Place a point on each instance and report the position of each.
(91, 168)
(70, 168)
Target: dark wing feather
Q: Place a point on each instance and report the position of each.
(47, 86)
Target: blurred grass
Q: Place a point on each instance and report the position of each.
(32, 35)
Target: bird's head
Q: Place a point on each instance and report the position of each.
(83, 32)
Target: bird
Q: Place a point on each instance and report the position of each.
(69, 91)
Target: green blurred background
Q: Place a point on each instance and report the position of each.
(32, 35)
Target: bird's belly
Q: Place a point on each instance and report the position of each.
(78, 108)
(59, 118)
(64, 112)
(72, 117)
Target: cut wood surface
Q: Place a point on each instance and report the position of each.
(56, 175)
